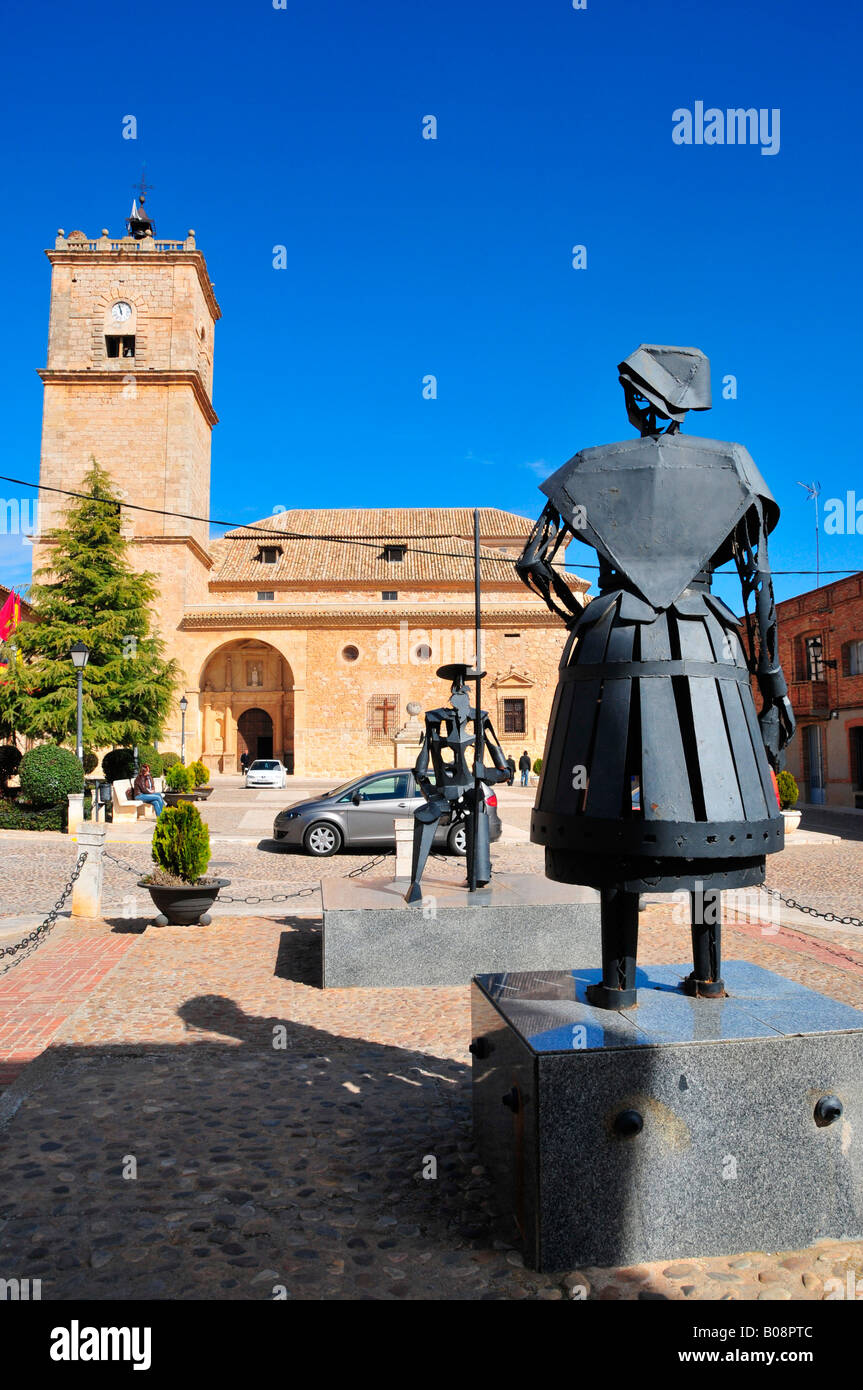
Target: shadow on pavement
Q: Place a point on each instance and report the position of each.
(289, 1157)
(848, 825)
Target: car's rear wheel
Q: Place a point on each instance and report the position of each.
(322, 839)
(456, 840)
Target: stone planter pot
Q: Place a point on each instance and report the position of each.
(174, 798)
(184, 906)
(792, 820)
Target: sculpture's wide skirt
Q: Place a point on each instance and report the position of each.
(654, 773)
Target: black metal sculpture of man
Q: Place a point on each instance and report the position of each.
(453, 787)
(657, 771)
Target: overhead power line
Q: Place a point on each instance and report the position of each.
(273, 534)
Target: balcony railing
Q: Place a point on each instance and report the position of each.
(809, 697)
(77, 241)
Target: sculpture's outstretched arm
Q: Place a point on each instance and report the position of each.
(776, 719)
(500, 773)
(535, 566)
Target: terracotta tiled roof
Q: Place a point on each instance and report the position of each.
(312, 562)
(394, 523)
(434, 555)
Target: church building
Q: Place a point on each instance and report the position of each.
(307, 636)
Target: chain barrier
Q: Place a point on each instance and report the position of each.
(121, 864)
(813, 911)
(276, 897)
(372, 864)
(252, 898)
(38, 935)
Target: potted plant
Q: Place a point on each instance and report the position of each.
(179, 784)
(181, 893)
(788, 794)
(201, 774)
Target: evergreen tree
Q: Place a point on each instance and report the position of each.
(89, 593)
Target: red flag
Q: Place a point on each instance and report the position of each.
(10, 616)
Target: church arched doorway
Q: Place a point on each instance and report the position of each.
(247, 703)
(254, 734)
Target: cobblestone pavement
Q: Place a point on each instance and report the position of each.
(208, 1122)
(829, 876)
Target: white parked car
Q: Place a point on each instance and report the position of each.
(266, 772)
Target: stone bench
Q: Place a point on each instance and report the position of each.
(123, 809)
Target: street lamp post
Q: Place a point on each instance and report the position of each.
(184, 705)
(80, 656)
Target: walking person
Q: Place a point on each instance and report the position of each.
(145, 790)
(510, 762)
(524, 767)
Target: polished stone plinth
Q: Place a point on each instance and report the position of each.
(681, 1128)
(372, 938)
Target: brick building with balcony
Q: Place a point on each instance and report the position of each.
(821, 650)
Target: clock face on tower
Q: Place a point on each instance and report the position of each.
(121, 312)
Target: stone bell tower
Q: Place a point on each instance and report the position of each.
(128, 382)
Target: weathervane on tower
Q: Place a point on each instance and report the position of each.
(138, 224)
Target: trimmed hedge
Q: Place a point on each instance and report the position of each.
(168, 760)
(48, 774)
(119, 764)
(91, 762)
(10, 758)
(148, 754)
(200, 772)
(14, 816)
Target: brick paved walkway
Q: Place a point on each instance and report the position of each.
(261, 1165)
(38, 995)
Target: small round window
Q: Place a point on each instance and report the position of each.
(423, 652)
(350, 653)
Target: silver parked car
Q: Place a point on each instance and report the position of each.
(361, 812)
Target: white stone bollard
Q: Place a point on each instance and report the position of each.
(404, 828)
(87, 892)
(76, 810)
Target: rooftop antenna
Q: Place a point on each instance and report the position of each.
(814, 491)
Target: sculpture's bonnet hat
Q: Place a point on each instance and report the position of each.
(673, 379)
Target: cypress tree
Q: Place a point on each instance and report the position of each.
(90, 593)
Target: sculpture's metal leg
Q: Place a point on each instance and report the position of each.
(425, 826)
(478, 868)
(619, 924)
(706, 981)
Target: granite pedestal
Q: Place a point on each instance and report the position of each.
(372, 938)
(681, 1128)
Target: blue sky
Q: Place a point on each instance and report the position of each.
(302, 126)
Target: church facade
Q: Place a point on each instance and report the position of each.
(305, 636)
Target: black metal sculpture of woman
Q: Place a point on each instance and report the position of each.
(657, 771)
(453, 787)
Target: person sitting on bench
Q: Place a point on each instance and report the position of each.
(145, 790)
